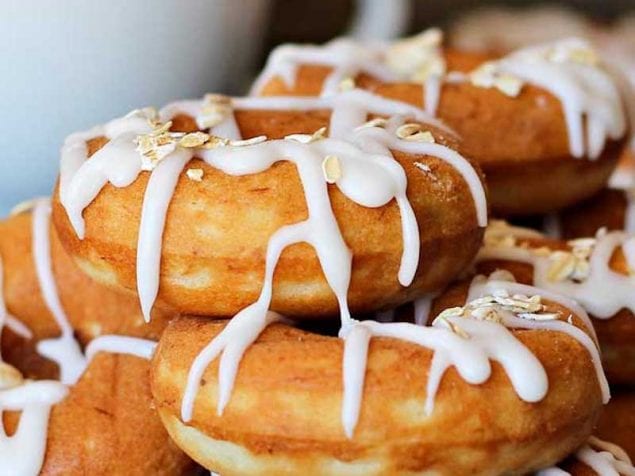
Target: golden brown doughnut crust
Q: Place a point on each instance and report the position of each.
(617, 421)
(108, 425)
(605, 209)
(520, 142)
(217, 232)
(92, 309)
(616, 335)
(284, 415)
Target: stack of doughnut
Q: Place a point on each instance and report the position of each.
(314, 279)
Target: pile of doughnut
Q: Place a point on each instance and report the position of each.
(317, 278)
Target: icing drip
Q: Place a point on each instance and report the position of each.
(629, 215)
(422, 308)
(569, 70)
(115, 344)
(64, 350)
(606, 459)
(22, 453)
(603, 292)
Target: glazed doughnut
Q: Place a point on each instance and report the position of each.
(613, 209)
(518, 116)
(87, 422)
(205, 234)
(94, 311)
(596, 272)
(407, 407)
(617, 422)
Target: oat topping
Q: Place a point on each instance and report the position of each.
(458, 330)
(148, 113)
(572, 264)
(9, 376)
(377, 122)
(573, 51)
(216, 107)
(418, 58)
(415, 133)
(488, 75)
(331, 168)
(195, 175)
(308, 138)
(493, 308)
(157, 145)
(193, 140)
(421, 166)
(347, 84)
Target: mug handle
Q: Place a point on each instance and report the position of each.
(380, 19)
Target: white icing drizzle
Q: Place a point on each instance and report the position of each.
(416, 59)
(64, 350)
(629, 214)
(602, 293)
(606, 459)
(588, 93)
(369, 176)
(422, 308)
(23, 452)
(117, 344)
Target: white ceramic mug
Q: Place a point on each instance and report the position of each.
(69, 64)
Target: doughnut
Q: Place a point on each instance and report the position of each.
(596, 272)
(94, 311)
(520, 116)
(611, 208)
(204, 232)
(72, 414)
(617, 422)
(413, 400)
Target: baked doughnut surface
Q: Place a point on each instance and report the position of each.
(473, 429)
(218, 231)
(513, 124)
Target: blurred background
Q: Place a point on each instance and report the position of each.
(69, 64)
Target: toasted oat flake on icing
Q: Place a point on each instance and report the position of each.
(419, 57)
(458, 330)
(488, 75)
(308, 138)
(156, 145)
(246, 142)
(377, 122)
(347, 84)
(572, 52)
(492, 307)
(195, 174)
(216, 107)
(414, 132)
(572, 264)
(194, 139)
(331, 168)
(9, 376)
